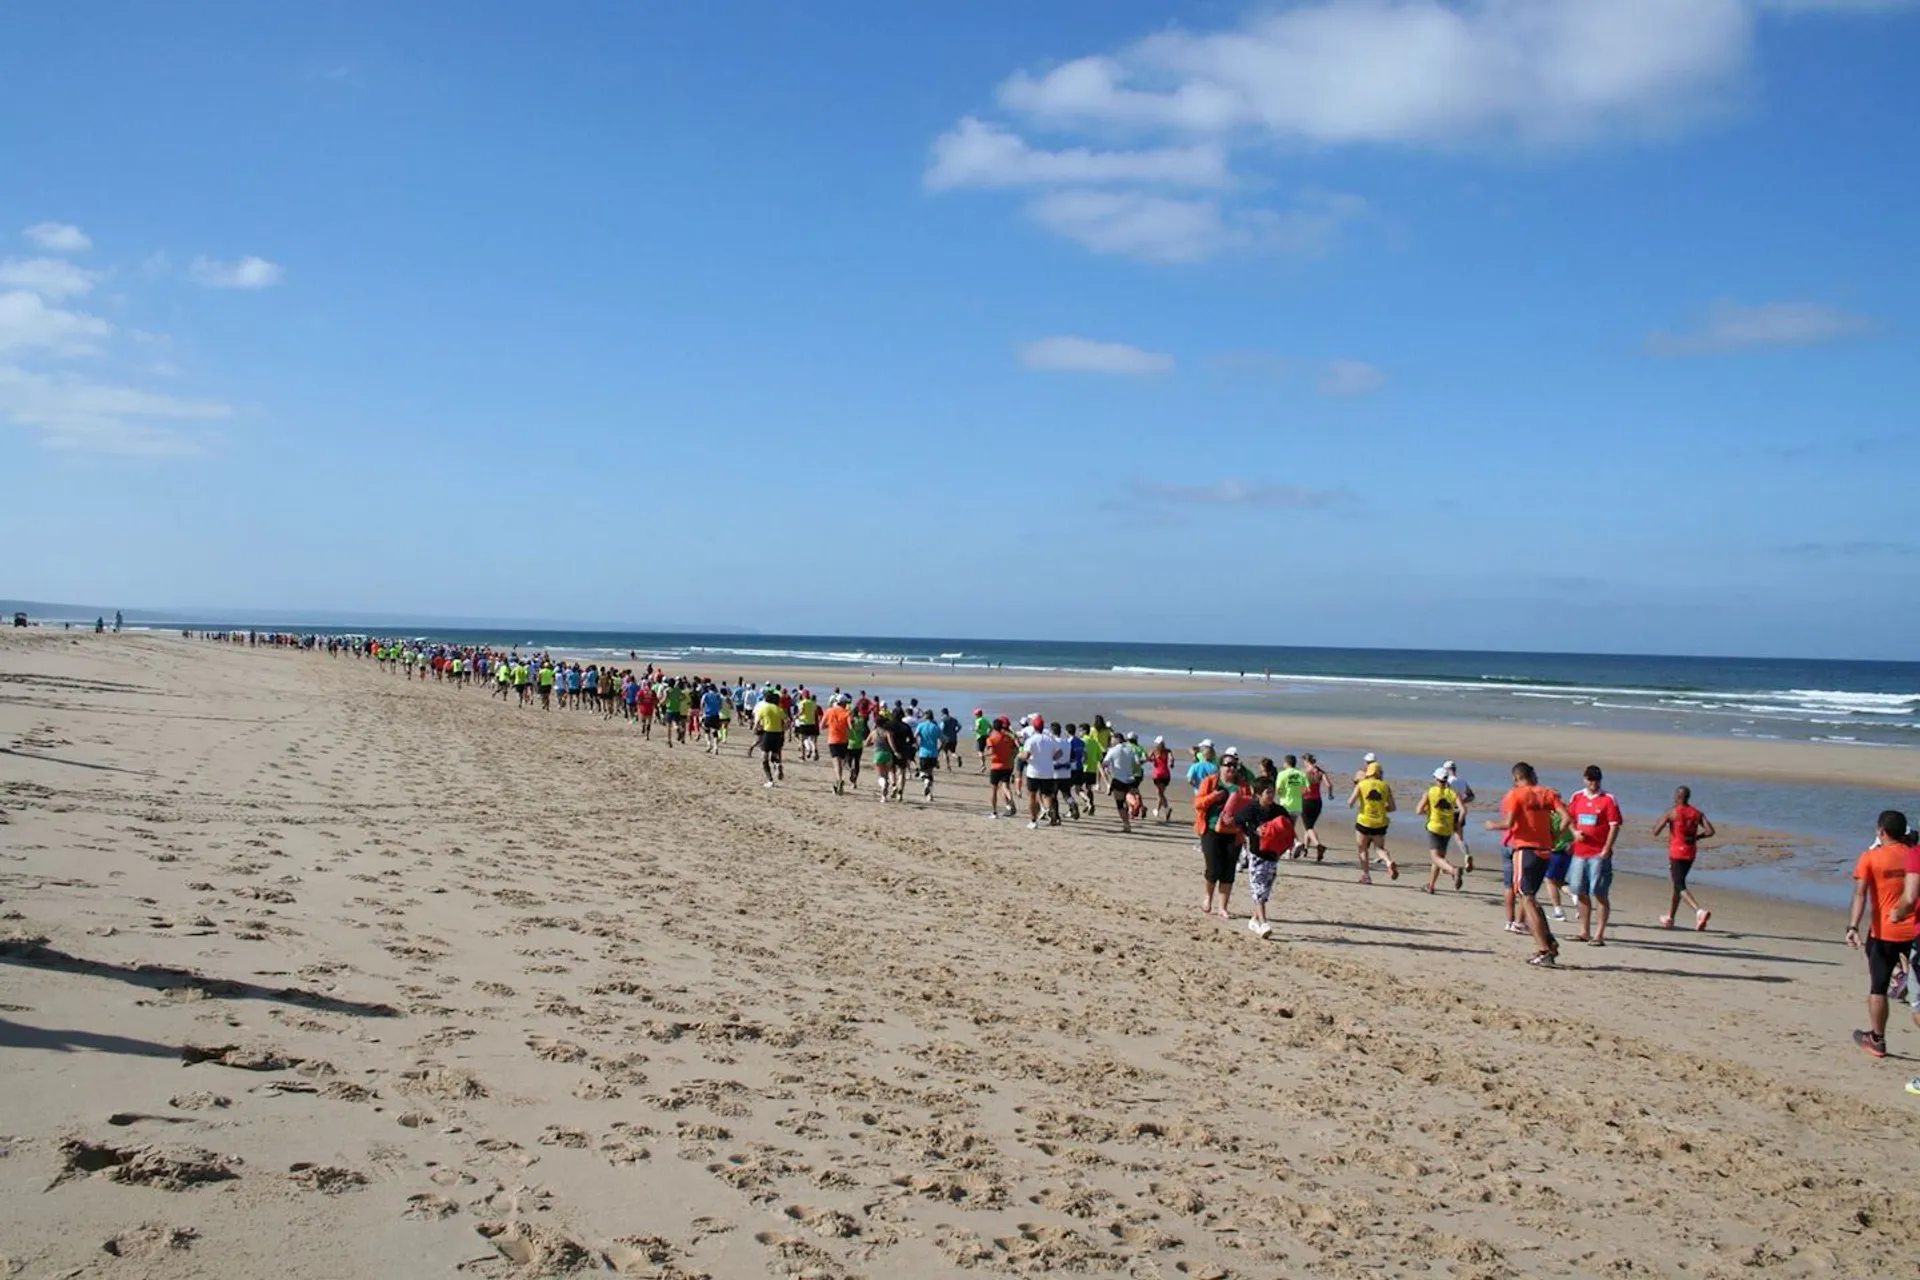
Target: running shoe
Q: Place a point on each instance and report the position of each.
(1700, 919)
(1544, 960)
(1560, 915)
(1666, 922)
(1871, 1045)
(1514, 926)
(1913, 1085)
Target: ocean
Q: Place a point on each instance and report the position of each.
(1867, 703)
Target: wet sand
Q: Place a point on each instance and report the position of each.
(310, 969)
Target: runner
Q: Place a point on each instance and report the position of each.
(857, 732)
(1372, 800)
(1465, 793)
(950, 738)
(838, 723)
(1526, 815)
(928, 738)
(1044, 754)
(713, 720)
(1879, 882)
(883, 762)
(1441, 808)
(770, 722)
(1290, 793)
(982, 730)
(1220, 839)
(1596, 826)
(1002, 753)
(1319, 786)
(1122, 769)
(807, 716)
(1687, 827)
(1160, 769)
(646, 706)
(1559, 866)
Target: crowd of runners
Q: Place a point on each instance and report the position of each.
(1248, 816)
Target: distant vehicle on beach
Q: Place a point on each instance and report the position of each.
(20, 618)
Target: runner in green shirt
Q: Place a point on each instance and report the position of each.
(1290, 789)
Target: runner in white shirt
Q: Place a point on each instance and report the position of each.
(1043, 752)
(1123, 775)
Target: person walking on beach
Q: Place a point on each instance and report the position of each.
(1441, 808)
(1372, 800)
(1526, 815)
(1686, 827)
(1270, 836)
(1319, 786)
(1596, 826)
(1879, 883)
(1220, 838)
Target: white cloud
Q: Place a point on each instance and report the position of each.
(1083, 355)
(1350, 378)
(1412, 71)
(78, 414)
(1236, 493)
(975, 153)
(1133, 224)
(1156, 228)
(247, 273)
(54, 278)
(58, 237)
(28, 324)
(1731, 327)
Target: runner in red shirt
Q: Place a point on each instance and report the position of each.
(1596, 825)
(1526, 815)
(1688, 827)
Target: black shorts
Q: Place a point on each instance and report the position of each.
(838, 751)
(675, 717)
(771, 743)
(1080, 778)
(1000, 777)
(1882, 959)
(1039, 786)
(927, 764)
(950, 745)
(980, 746)
(809, 730)
(1121, 790)
(1677, 869)
(1438, 843)
(1309, 814)
(1531, 872)
(1366, 830)
(711, 722)
(1222, 855)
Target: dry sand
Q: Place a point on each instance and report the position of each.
(314, 971)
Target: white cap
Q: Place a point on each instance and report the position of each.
(1206, 742)
(1367, 758)
(1232, 751)
(1158, 741)
(1440, 774)
(1448, 766)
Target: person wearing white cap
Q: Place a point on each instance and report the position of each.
(1441, 808)
(1204, 766)
(1373, 800)
(1465, 794)
(1160, 769)
(1365, 761)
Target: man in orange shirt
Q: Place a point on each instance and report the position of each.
(838, 723)
(1001, 751)
(1528, 813)
(1879, 881)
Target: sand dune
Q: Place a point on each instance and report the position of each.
(312, 970)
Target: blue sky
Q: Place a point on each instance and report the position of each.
(1572, 324)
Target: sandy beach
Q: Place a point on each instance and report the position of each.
(306, 969)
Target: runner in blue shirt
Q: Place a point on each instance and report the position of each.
(927, 734)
